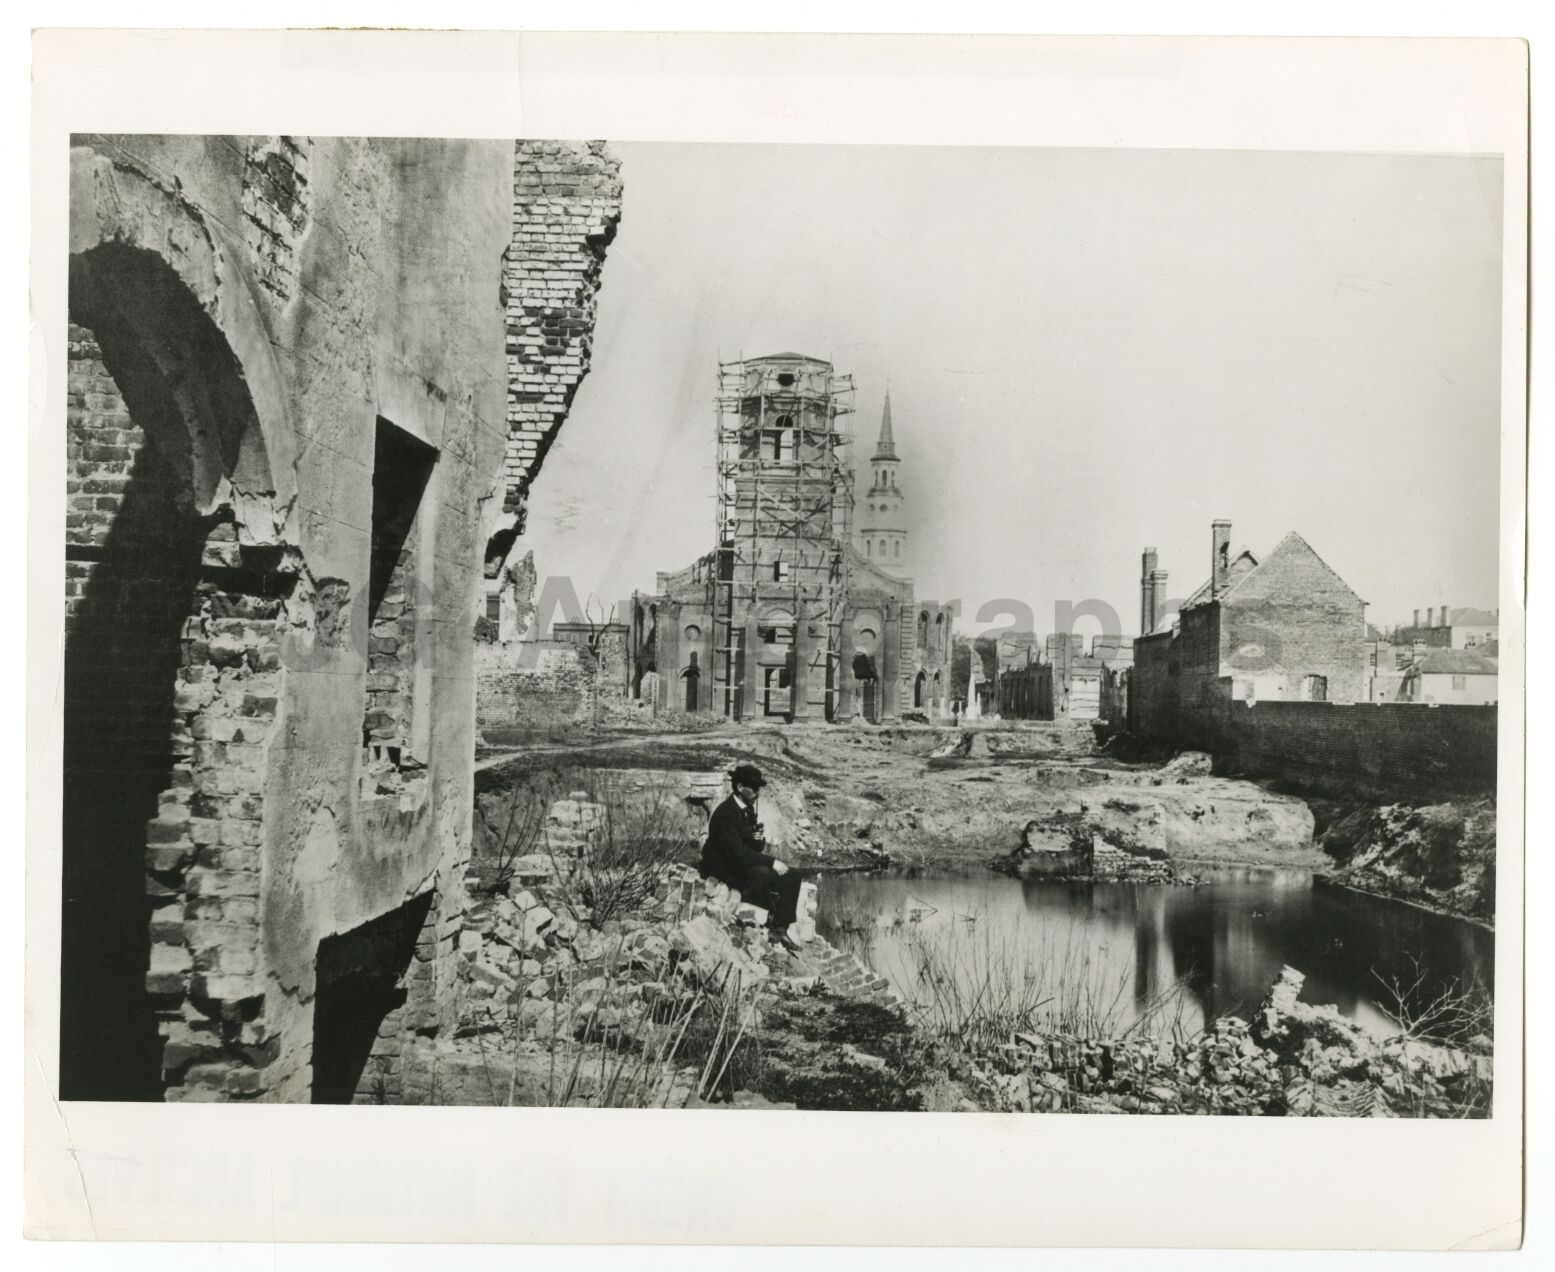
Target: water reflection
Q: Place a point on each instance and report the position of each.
(1226, 940)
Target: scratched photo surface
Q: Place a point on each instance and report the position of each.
(853, 628)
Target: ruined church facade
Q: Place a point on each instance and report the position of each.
(795, 615)
(308, 378)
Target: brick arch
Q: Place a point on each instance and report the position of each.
(127, 229)
(179, 566)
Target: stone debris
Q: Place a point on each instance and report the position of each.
(1294, 1059)
(533, 975)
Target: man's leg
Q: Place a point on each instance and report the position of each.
(785, 899)
(777, 894)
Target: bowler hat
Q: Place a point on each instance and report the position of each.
(747, 775)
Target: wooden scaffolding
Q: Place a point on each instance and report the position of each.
(779, 582)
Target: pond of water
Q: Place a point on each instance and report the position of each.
(1122, 951)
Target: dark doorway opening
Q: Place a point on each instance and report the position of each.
(692, 676)
(777, 686)
(360, 987)
(123, 650)
(869, 686)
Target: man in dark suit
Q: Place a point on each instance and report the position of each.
(735, 854)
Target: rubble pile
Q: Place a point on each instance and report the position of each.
(540, 982)
(536, 965)
(1293, 1059)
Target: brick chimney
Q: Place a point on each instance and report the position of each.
(1158, 592)
(1220, 563)
(1147, 596)
(1430, 616)
(1417, 618)
(1445, 621)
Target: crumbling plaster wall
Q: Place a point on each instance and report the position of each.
(352, 279)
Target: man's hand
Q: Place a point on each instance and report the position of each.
(780, 867)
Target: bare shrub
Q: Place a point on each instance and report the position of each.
(646, 833)
(1449, 1028)
(516, 826)
(1454, 1014)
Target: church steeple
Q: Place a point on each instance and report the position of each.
(882, 528)
(885, 448)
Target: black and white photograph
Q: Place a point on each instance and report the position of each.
(589, 623)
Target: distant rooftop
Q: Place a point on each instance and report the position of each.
(789, 357)
(1469, 617)
(1455, 662)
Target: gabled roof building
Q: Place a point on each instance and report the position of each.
(1282, 627)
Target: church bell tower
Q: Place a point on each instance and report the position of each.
(882, 531)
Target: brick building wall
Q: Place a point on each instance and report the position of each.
(1152, 699)
(1387, 748)
(1293, 617)
(1286, 628)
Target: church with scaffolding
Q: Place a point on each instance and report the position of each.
(802, 610)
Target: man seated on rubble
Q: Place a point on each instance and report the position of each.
(735, 854)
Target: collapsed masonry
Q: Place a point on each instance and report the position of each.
(309, 378)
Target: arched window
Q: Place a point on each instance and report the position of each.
(780, 439)
(882, 547)
(869, 547)
(923, 628)
(898, 549)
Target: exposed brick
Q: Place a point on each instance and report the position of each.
(567, 203)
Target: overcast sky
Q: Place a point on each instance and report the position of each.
(1088, 352)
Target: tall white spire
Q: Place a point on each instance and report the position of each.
(885, 448)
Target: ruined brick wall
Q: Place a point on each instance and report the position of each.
(1199, 655)
(533, 686)
(276, 209)
(390, 655)
(171, 694)
(1398, 749)
(567, 203)
(612, 664)
(1152, 700)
